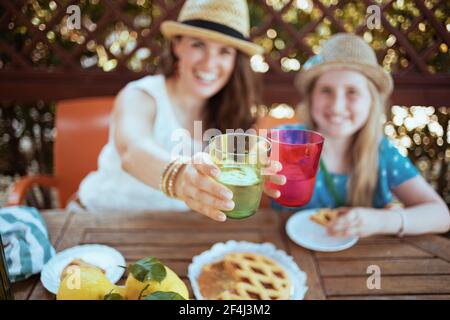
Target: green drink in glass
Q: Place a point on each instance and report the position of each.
(239, 158)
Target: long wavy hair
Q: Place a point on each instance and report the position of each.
(364, 148)
(232, 106)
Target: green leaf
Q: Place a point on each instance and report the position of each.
(161, 295)
(113, 296)
(147, 269)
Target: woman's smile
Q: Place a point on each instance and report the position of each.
(204, 66)
(206, 78)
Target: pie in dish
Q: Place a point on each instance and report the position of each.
(244, 276)
(324, 216)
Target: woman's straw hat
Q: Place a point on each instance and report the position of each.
(226, 21)
(345, 51)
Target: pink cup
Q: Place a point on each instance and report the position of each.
(299, 153)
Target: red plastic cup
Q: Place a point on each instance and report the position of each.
(299, 153)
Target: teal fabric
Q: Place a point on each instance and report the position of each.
(26, 242)
(393, 170)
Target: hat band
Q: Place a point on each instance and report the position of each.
(215, 27)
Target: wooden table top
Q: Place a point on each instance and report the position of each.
(411, 267)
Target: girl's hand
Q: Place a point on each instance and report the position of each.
(196, 186)
(270, 174)
(360, 222)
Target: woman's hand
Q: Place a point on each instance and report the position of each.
(360, 222)
(196, 186)
(270, 174)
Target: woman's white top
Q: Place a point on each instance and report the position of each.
(110, 188)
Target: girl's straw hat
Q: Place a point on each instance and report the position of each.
(345, 51)
(226, 21)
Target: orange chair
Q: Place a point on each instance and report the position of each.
(81, 132)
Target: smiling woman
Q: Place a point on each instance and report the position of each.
(207, 77)
(229, 87)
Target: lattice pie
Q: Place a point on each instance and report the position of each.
(244, 276)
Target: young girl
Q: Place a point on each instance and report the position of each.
(345, 91)
(208, 79)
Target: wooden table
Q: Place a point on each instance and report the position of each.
(411, 268)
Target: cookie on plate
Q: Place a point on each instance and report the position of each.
(324, 216)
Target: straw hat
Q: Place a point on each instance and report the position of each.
(346, 51)
(226, 21)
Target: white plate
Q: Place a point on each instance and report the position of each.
(107, 258)
(219, 250)
(313, 236)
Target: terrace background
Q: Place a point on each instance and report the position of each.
(43, 61)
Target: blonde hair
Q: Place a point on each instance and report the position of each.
(364, 149)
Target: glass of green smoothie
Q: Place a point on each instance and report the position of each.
(240, 158)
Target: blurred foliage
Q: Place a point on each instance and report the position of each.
(284, 47)
(423, 133)
(126, 33)
(26, 138)
(122, 36)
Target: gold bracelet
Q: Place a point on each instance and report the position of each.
(164, 176)
(173, 177)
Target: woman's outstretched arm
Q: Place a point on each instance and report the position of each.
(133, 117)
